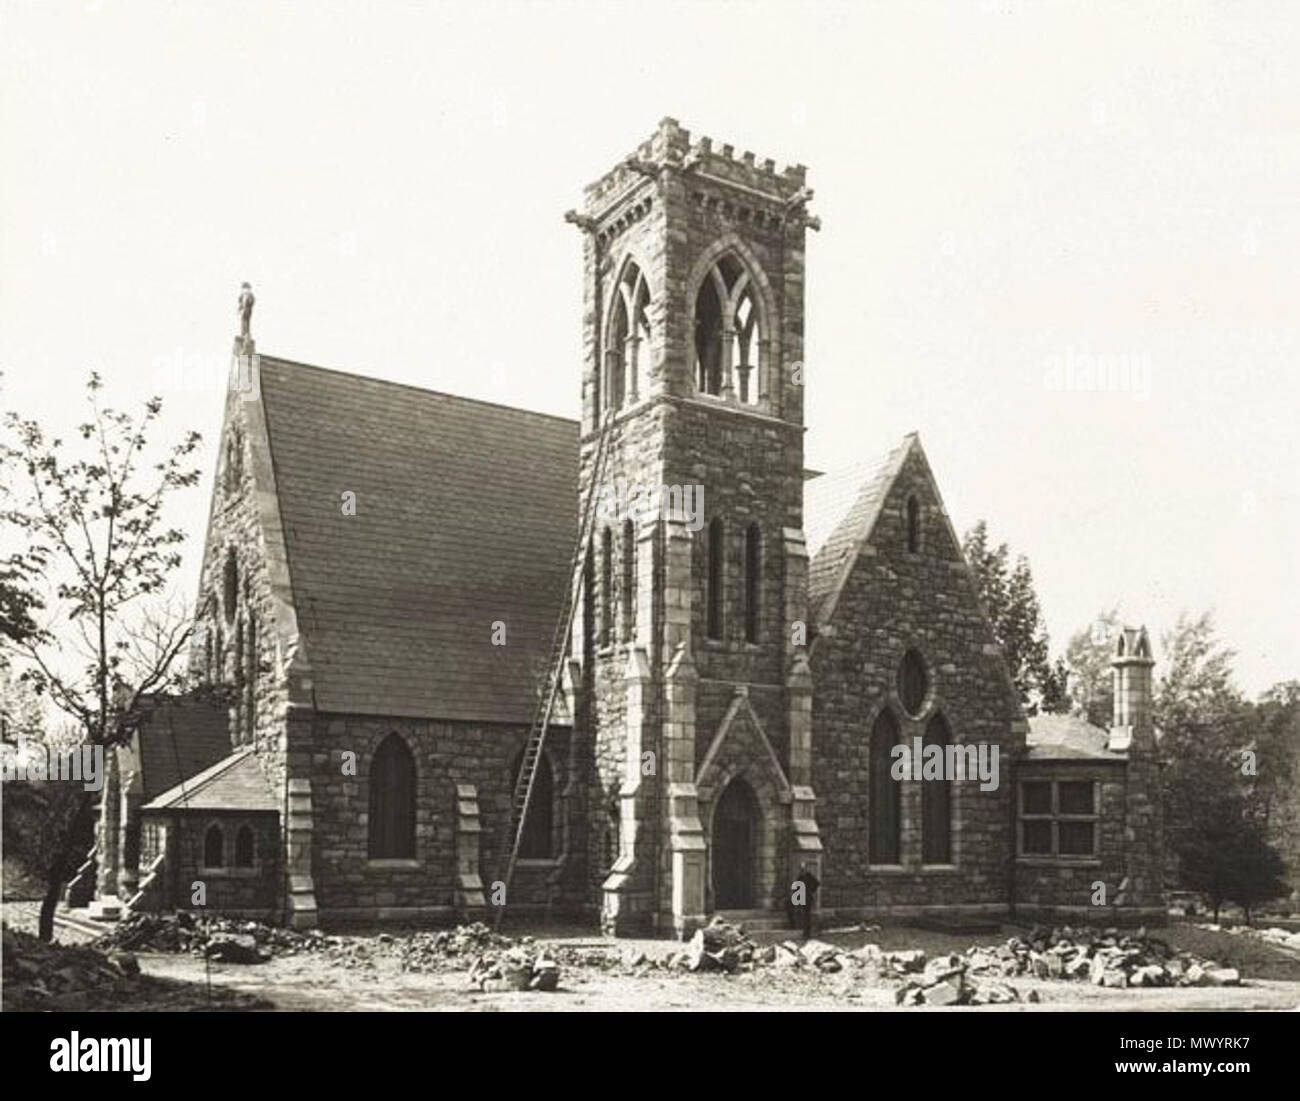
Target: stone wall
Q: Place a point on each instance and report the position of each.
(674, 222)
(1051, 887)
(229, 890)
(894, 600)
(351, 886)
(259, 613)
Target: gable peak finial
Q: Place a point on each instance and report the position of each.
(245, 310)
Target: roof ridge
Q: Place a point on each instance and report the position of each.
(296, 363)
(190, 786)
(869, 497)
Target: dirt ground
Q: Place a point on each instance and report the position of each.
(310, 982)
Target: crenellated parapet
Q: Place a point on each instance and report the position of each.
(753, 192)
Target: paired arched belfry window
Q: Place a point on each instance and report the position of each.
(537, 842)
(885, 832)
(392, 801)
(753, 580)
(714, 580)
(728, 333)
(627, 347)
(936, 802)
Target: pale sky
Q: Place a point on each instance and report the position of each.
(1006, 189)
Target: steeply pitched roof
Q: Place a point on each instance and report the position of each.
(235, 783)
(840, 510)
(1067, 737)
(840, 515)
(178, 738)
(466, 514)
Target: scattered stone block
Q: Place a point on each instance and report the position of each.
(234, 948)
(948, 992)
(546, 975)
(909, 960)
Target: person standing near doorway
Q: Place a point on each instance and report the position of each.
(805, 888)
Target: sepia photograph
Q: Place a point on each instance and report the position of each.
(650, 507)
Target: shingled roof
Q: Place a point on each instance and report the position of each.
(466, 514)
(234, 783)
(1067, 737)
(840, 510)
(178, 738)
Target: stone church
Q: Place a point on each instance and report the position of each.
(382, 575)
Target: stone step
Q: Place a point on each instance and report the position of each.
(756, 920)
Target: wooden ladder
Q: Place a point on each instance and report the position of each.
(522, 796)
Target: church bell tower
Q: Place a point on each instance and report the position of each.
(691, 637)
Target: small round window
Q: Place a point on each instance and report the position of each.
(912, 682)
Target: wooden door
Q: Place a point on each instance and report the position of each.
(735, 835)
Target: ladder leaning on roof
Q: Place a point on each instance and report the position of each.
(523, 790)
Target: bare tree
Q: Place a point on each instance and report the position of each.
(95, 529)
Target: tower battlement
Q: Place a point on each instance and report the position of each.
(672, 146)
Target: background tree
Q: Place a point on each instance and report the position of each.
(1274, 790)
(1087, 660)
(1228, 858)
(1215, 802)
(1007, 591)
(19, 571)
(94, 525)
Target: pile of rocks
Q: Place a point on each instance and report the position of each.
(39, 975)
(225, 939)
(719, 946)
(1105, 958)
(722, 946)
(450, 949)
(494, 961)
(951, 980)
(517, 968)
(828, 959)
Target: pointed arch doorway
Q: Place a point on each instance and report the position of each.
(735, 847)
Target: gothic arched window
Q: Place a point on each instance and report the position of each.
(753, 580)
(886, 793)
(714, 579)
(392, 801)
(627, 348)
(234, 460)
(230, 587)
(728, 333)
(936, 802)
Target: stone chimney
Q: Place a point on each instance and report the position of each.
(1132, 664)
